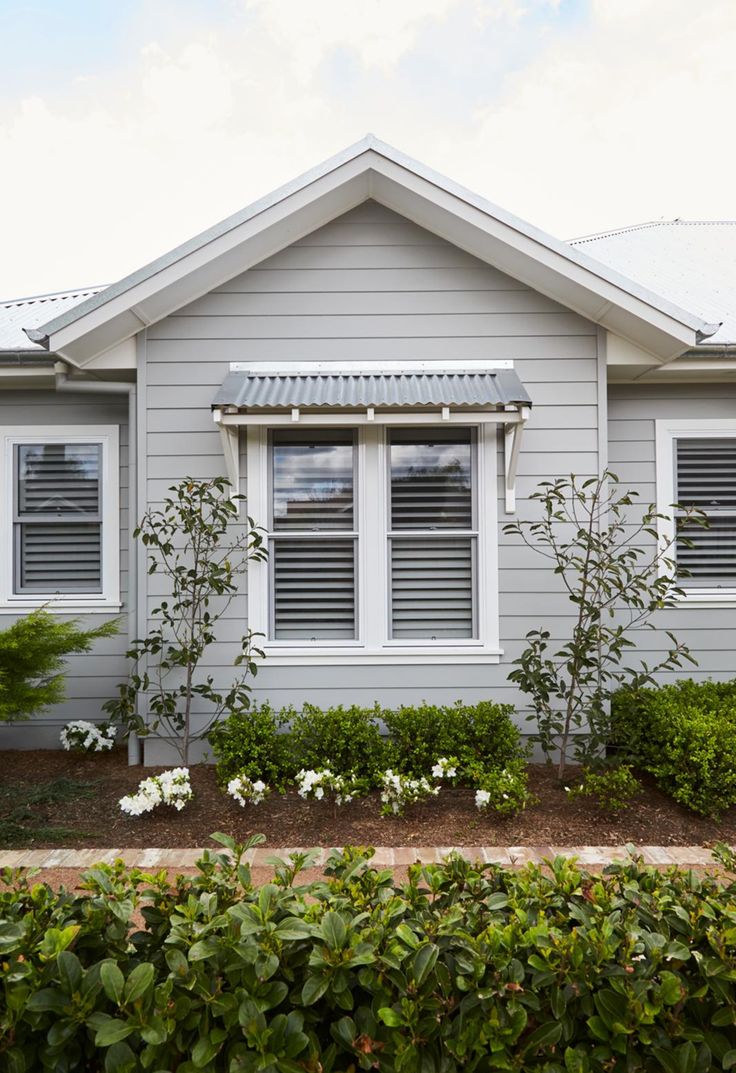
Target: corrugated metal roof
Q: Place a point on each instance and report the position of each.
(258, 391)
(689, 262)
(19, 313)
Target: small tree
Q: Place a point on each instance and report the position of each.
(189, 546)
(32, 654)
(615, 586)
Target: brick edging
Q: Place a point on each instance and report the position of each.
(385, 856)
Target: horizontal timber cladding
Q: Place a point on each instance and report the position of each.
(373, 286)
(91, 677)
(633, 409)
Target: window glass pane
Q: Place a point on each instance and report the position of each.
(313, 588)
(59, 478)
(710, 560)
(431, 479)
(59, 557)
(432, 587)
(312, 480)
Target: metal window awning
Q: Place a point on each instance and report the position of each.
(388, 393)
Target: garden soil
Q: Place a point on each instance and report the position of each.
(450, 819)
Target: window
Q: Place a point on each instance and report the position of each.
(696, 467)
(382, 542)
(59, 540)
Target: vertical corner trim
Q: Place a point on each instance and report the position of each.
(230, 440)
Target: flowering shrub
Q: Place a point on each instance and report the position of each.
(316, 784)
(169, 788)
(87, 737)
(445, 768)
(503, 791)
(245, 791)
(398, 791)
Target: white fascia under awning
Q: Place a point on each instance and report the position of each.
(378, 393)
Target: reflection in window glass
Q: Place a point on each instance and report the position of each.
(431, 480)
(312, 481)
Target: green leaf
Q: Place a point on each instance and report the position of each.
(120, 1059)
(314, 988)
(423, 962)
(334, 931)
(544, 1036)
(390, 1017)
(113, 981)
(112, 1031)
(203, 1052)
(48, 999)
(139, 981)
(70, 971)
(729, 1059)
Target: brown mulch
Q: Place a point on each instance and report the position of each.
(448, 820)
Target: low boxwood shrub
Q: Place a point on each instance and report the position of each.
(685, 736)
(463, 967)
(480, 736)
(346, 740)
(253, 743)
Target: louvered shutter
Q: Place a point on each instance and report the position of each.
(313, 540)
(58, 521)
(706, 479)
(432, 572)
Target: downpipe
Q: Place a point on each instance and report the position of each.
(66, 384)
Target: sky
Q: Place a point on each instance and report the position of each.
(128, 126)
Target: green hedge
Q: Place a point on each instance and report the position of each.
(685, 736)
(462, 968)
(274, 745)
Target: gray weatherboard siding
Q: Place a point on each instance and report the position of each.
(710, 632)
(91, 677)
(373, 286)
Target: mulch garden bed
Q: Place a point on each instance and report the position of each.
(91, 817)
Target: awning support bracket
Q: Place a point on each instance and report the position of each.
(512, 446)
(230, 440)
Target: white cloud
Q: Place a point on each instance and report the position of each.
(575, 123)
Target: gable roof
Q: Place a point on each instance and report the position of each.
(371, 169)
(19, 314)
(690, 262)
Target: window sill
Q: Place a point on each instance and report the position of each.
(61, 607)
(357, 656)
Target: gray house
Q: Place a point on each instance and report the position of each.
(386, 365)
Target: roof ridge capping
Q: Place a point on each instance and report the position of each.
(645, 224)
(542, 247)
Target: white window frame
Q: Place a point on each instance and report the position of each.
(373, 645)
(666, 432)
(107, 437)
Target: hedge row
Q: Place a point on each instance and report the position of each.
(464, 967)
(685, 736)
(274, 745)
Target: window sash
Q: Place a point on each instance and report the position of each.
(329, 621)
(456, 608)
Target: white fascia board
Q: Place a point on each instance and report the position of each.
(371, 170)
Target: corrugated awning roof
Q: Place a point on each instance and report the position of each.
(257, 390)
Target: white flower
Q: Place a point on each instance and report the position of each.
(482, 798)
(168, 788)
(88, 737)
